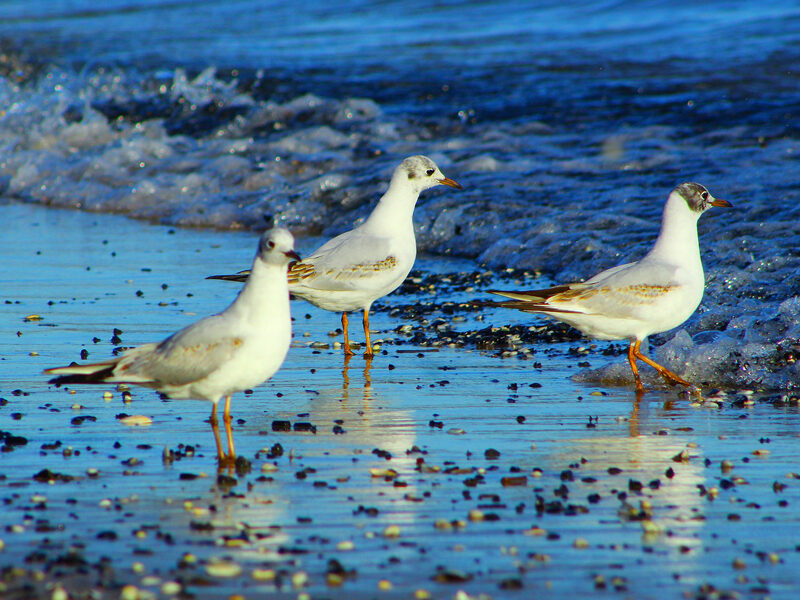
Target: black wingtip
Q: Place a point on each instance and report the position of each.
(237, 277)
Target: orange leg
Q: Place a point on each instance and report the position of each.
(347, 350)
(368, 353)
(632, 350)
(215, 428)
(226, 418)
(668, 375)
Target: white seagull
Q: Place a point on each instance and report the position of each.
(220, 355)
(356, 268)
(637, 299)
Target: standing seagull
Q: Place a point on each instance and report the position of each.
(637, 299)
(215, 357)
(356, 268)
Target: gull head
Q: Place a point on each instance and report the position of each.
(698, 198)
(276, 247)
(420, 173)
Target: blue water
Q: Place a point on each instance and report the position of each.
(568, 124)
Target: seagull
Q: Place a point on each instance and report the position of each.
(637, 299)
(356, 268)
(220, 355)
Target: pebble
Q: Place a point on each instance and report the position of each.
(263, 574)
(299, 579)
(170, 588)
(345, 545)
(136, 420)
(223, 569)
(129, 592)
(580, 544)
(384, 585)
(59, 593)
(391, 531)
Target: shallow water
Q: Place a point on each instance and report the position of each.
(574, 527)
(567, 131)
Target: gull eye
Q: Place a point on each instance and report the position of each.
(270, 244)
(704, 195)
(430, 172)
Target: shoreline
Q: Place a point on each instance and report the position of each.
(448, 471)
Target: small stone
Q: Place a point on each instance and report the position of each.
(136, 420)
(739, 564)
(129, 592)
(580, 544)
(391, 531)
(263, 574)
(421, 594)
(651, 528)
(299, 579)
(476, 515)
(388, 473)
(59, 593)
(384, 585)
(224, 569)
(345, 545)
(443, 525)
(170, 588)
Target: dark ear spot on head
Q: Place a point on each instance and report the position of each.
(411, 175)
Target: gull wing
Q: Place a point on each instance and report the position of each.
(345, 262)
(187, 356)
(620, 292)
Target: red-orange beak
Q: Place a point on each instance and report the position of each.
(451, 183)
(722, 203)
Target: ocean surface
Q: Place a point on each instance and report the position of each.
(567, 123)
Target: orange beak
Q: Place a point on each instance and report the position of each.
(720, 202)
(451, 183)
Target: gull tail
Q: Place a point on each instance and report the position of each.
(532, 301)
(241, 276)
(534, 296)
(75, 373)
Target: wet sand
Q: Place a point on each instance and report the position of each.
(436, 473)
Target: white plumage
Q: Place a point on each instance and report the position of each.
(356, 268)
(637, 299)
(220, 355)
